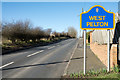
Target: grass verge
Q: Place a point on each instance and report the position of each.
(11, 47)
(103, 74)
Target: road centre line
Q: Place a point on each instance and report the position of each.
(35, 53)
(6, 65)
(51, 47)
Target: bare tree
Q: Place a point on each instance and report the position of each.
(18, 30)
(72, 32)
(47, 33)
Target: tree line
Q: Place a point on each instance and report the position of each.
(25, 31)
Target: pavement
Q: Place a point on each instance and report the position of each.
(76, 63)
(40, 62)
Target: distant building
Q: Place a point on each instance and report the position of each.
(52, 35)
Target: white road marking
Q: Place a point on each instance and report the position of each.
(51, 47)
(6, 65)
(35, 53)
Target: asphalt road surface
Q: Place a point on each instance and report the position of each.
(40, 62)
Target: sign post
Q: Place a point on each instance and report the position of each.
(84, 51)
(97, 18)
(108, 51)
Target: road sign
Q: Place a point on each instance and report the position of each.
(97, 18)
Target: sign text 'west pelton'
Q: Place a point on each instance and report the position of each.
(97, 18)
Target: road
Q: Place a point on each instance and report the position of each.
(40, 62)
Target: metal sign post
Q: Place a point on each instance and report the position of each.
(108, 51)
(84, 52)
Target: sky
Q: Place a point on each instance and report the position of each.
(55, 15)
(60, 0)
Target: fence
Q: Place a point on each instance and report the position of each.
(100, 36)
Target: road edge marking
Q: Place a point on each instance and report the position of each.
(6, 65)
(65, 71)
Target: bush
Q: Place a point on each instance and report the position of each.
(23, 31)
(88, 36)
